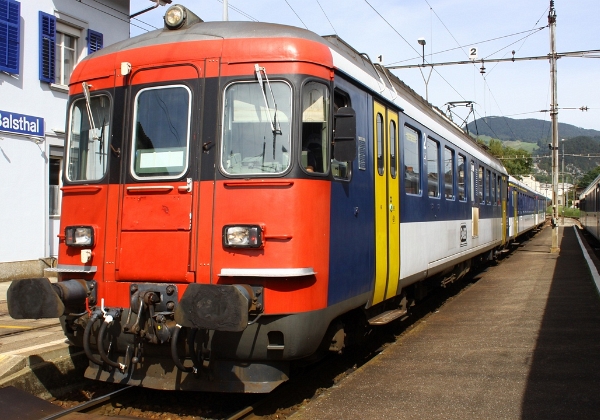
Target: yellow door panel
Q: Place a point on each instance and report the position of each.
(393, 192)
(381, 203)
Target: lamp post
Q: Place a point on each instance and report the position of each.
(422, 43)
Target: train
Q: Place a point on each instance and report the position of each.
(589, 206)
(241, 198)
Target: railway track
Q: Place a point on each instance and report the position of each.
(88, 405)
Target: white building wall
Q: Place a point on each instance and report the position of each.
(26, 230)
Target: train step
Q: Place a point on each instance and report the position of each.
(387, 317)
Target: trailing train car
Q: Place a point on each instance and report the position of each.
(239, 197)
(526, 208)
(589, 206)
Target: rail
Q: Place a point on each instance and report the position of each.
(88, 404)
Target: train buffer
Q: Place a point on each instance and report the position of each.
(521, 342)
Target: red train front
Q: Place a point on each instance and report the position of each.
(196, 207)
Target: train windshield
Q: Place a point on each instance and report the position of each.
(161, 132)
(250, 144)
(88, 140)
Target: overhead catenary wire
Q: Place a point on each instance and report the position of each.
(326, 17)
(501, 112)
(241, 12)
(448, 30)
(462, 46)
(299, 18)
(116, 17)
(413, 48)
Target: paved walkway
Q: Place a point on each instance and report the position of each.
(521, 343)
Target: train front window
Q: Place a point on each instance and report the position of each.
(161, 132)
(87, 153)
(250, 145)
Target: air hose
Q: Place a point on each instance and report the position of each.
(174, 354)
(108, 319)
(86, 339)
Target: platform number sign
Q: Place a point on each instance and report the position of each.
(473, 53)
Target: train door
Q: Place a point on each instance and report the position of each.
(387, 203)
(475, 199)
(503, 184)
(515, 209)
(155, 234)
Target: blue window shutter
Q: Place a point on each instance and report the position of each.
(95, 41)
(10, 33)
(47, 47)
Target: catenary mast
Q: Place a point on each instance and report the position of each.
(554, 116)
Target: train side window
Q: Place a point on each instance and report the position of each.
(380, 145)
(462, 193)
(315, 127)
(161, 132)
(256, 129)
(497, 188)
(340, 170)
(488, 185)
(480, 196)
(393, 157)
(412, 161)
(449, 173)
(473, 183)
(87, 152)
(433, 178)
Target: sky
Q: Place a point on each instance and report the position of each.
(391, 28)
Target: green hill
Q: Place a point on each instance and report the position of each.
(528, 130)
(581, 146)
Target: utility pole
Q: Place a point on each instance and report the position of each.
(554, 116)
(225, 11)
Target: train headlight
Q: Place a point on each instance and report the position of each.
(79, 235)
(242, 236)
(175, 16)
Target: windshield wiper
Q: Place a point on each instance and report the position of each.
(275, 128)
(86, 94)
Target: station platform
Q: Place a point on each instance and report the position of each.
(35, 355)
(523, 342)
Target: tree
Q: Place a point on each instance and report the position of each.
(588, 178)
(516, 161)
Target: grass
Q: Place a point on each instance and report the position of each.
(529, 147)
(569, 212)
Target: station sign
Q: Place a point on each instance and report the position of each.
(27, 125)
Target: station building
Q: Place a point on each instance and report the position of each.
(41, 41)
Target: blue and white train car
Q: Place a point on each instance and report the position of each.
(436, 198)
(526, 208)
(589, 205)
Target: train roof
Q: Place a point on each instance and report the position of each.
(515, 181)
(204, 31)
(590, 187)
(345, 59)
